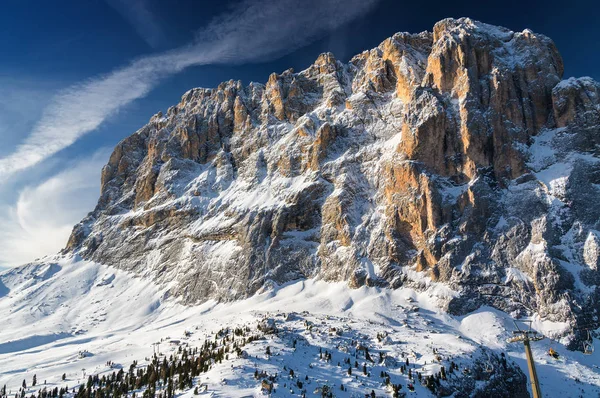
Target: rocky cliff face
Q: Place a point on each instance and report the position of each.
(457, 156)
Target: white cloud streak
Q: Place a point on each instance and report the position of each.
(42, 219)
(254, 31)
(138, 14)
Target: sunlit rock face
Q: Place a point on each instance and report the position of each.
(455, 156)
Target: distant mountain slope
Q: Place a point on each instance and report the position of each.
(457, 155)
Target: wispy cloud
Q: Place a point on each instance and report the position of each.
(43, 216)
(21, 105)
(138, 14)
(253, 31)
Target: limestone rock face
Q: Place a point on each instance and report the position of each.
(454, 157)
(576, 102)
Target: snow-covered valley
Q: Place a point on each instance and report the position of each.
(88, 316)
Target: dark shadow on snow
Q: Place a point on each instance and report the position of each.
(3, 289)
(30, 342)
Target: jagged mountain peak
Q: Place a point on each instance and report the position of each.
(455, 156)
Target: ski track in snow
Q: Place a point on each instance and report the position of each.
(114, 316)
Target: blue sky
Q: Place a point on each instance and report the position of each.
(76, 77)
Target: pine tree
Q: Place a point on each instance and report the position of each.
(430, 383)
(34, 382)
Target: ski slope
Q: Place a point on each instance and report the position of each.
(53, 310)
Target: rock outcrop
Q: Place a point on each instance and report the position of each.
(455, 157)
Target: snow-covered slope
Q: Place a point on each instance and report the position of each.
(115, 317)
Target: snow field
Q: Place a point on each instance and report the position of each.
(113, 316)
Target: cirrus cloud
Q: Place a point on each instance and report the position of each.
(253, 31)
(139, 15)
(42, 218)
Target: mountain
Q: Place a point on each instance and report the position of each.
(456, 155)
(428, 190)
